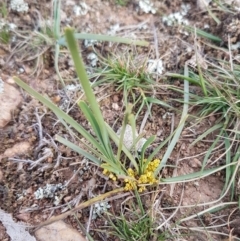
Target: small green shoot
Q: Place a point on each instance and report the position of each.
(204, 34)
(137, 227)
(5, 35)
(3, 10)
(122, 3)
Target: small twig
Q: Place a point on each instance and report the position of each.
(175, 173)
(23, 160)
(80, 206)
(47, 153)
(89, 219)
(175, 211)
(40, 132)
(74, 175)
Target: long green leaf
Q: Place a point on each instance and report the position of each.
(149, 141)
(56, 16)
(228, 160)
(90, 36)
(124, 124)
(211, 130)
(159, 102)
(210, 149)
(203, 34)
(115, 138)
(58, 112)
(94, 124)
(83, 78)
(78, 149)
(179, 76)
(180, 126)
(193, 176)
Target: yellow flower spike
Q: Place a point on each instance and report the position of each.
(105, 171)
(149, 174)
(111, 175)
(126, 188)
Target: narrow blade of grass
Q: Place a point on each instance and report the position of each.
(78, 150)
(204, 34)
(90, 36)
(158, 102)
(58, 112)
(179, 76)
(115, 139)
(83, 78)
(228, 160)
(181, 124)
(195, 175)
(211, 130)
(94, 124)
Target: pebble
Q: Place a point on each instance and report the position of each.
(10, 99)
(23, 217)
(115, 98)
(59, 231)
(115, 106)
(1, 176)
(212, 118)
(195, 163)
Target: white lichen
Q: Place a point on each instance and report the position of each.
(1, 86)
(99, 209)
(155, 66)
(4, 25)
(93, 59)
(147, 6)
(81, 9)
(19, 6)
(72, 87)
(178, 17)
(113, 29)
(20, 70)
(90, 42)
(48, 191)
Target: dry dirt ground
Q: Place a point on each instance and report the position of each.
(30, 158)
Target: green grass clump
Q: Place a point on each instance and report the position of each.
(126, 72)
(5, 35)
(4, 28)
(220, 98)
(122, 3)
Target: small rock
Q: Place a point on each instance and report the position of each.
(56, 99)
(115, 98)
(59, 231)
(115, 106)
(17, 149)
(1, 176)
(10, 98)
(25, 217)
(10, 81)
(203, 4)
(29, 190)
(67, 199)
(128, 138)
(212, 118)
(195, 163)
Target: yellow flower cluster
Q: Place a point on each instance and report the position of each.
(134, 181)
(109, 174)
(146, 178)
